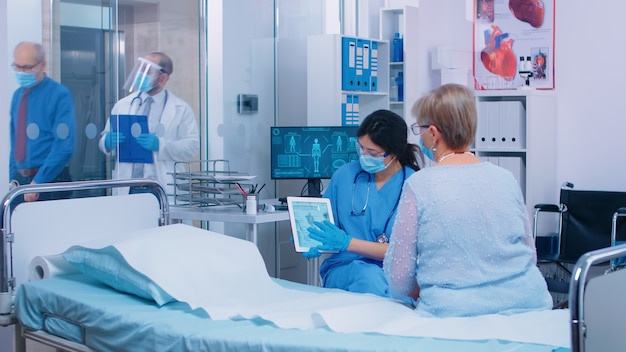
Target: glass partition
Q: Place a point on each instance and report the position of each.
(221, 50)
(92, 47)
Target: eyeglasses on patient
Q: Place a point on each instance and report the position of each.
(419, 129)
(370, 152)
(24, 68)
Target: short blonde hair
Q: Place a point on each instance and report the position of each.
(452, 109)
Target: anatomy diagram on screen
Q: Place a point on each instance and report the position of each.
(313, 153)
(316, 154)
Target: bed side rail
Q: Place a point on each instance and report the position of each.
(6, 280)
(578, 288)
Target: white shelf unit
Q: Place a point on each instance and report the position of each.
(535, 146)
(402, 20)
(324, 81)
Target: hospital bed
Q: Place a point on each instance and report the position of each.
(79, 313)
(596, 303)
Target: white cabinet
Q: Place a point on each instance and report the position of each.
(517, 130)
(327, 99)
(404, 21)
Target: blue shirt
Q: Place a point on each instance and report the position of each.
(371, 223)
(51, 130)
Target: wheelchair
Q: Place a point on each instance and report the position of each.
(587, 220)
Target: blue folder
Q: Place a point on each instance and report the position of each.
(350, 116)
(366, 62)
(346, 109)
(348, 63)
(130, 151)
(359, 69)
(374, 66)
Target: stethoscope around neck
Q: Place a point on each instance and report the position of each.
(382, 237)
(137, 98)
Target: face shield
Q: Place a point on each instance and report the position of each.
(143, 77)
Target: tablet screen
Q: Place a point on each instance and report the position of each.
(303, 213)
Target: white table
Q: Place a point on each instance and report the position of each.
(233, 214)
(228, 213)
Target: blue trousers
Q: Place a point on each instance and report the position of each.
(358, 276)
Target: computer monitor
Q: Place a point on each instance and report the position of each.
(311, 152)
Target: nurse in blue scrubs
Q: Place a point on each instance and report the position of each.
(364, 197)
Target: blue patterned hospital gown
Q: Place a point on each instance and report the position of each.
(467, 228)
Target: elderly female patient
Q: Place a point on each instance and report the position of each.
(463, 222)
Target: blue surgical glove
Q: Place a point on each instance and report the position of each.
(332, 237)
(312, 253)
(148, 141)
(112, 139)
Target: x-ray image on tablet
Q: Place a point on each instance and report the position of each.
(303, 213)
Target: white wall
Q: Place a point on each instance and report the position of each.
(590, 94)
(19, 21)
(588, 84)
(215, 83)
(247, 54)
(6, 333)
(5, 93)
(22, 22)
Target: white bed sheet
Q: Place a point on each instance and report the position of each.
(82, 309)
(226, 277)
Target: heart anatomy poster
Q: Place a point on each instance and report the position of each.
(514, 44)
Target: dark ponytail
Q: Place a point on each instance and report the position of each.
(389, 131)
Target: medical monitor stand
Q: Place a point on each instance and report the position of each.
(314, 187)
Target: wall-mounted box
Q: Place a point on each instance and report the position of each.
(247, 103)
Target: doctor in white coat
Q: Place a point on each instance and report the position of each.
(174, 133)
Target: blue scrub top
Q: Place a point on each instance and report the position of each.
(371, 223)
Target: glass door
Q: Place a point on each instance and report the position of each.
(93, 46)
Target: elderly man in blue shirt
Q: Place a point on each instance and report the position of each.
(43, 124)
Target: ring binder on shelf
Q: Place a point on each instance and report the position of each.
(348, 59)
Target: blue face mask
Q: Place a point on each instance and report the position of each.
(25, 79)
(428, 152)
(372, 164)
(144, 86)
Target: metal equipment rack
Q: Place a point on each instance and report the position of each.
(208, 183)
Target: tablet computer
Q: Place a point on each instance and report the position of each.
(303, 213)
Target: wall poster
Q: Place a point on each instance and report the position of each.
(513, 44)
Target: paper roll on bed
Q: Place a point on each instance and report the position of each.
(43, 267)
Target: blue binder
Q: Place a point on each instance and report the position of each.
(130, 151)
(348, 63)
(346, 115)
(355, 111)
(360, 67)
(351, 116)
(344, 109)
(367, 60)
(374, 66)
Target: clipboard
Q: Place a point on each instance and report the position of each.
(303, 212)
(131, 126)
